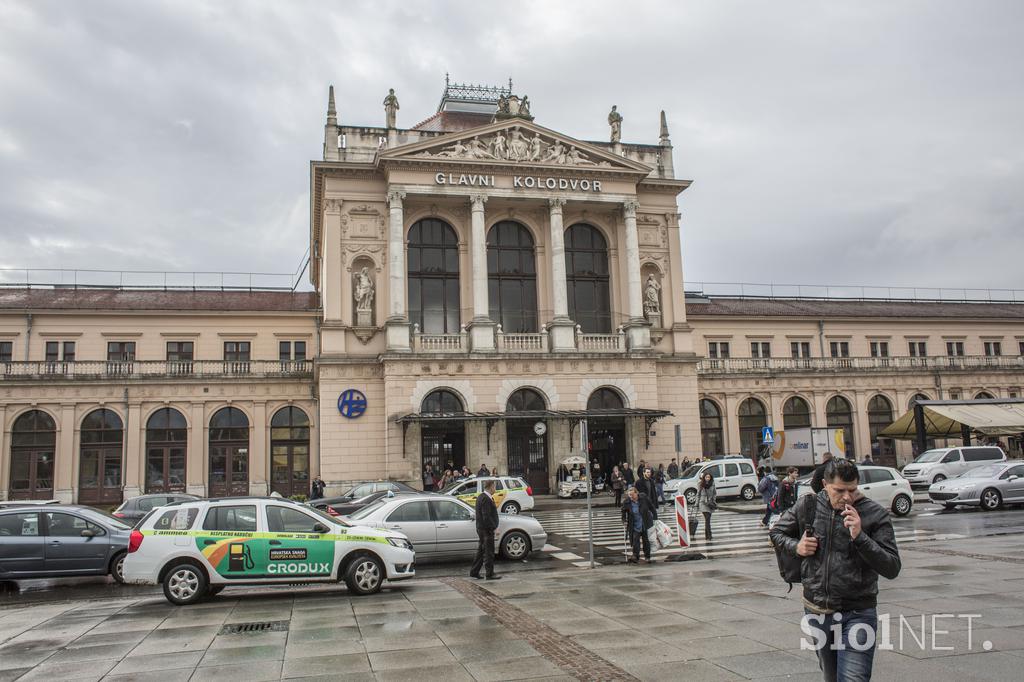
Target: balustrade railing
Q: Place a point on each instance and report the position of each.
(143, 369)
(522, 342)
(439, 343)
(601, 343)
(960, 362)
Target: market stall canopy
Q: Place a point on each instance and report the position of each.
(945, 419)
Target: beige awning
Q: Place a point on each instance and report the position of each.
(990, 417)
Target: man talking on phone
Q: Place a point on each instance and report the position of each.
(846, 541)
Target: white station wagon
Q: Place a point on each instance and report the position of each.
(196, 549)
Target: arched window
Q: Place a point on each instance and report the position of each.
(796, 414)
(434, 277)
(984, 395)
(712, 441)
(229, 453)
(512, 277)
(166, 447)
(33, 450)
(753, 419)
(289, 452)
(586, 278)
(100, 456)
(441, 401)
(443, 443)
(879, 417)
(839, 415)
(525, 400)
(605, 399)
(527, 451)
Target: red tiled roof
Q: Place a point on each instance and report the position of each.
(755, 307)
(454, 121)
(157, 300)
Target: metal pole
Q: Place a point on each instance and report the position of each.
(590, 516)
(922, 432)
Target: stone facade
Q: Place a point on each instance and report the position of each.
(472, 170)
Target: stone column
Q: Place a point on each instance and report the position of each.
(5, 453)
(64, 457)
(562, 330)
(134, 465)
(481, 327)
(197, 462)
(639, 329)
(258, 451)
(397, 323)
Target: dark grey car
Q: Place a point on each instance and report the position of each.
(133, 509)
(55, 541)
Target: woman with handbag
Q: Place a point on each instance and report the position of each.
(707, 501)
(618, 483)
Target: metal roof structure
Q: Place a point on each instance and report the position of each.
(574, 417)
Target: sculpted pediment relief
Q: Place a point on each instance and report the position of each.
(517, 142)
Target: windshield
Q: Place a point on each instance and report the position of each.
(108, 519)
(691, 472)
(451, 486)
(930, 456)
(366, 511)
(990, 471)
(324, 515)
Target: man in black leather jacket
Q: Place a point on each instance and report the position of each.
(849, 543)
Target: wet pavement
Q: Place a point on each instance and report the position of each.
(719, 619)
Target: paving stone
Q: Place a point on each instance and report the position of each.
(326, 665)
(323, 648)
(414, 658)
(70, 670)
(448, 673)
(503, 650)
(769, 663)
(523, 669)
(239, 672)
(179, 675)
(691, 671)
(243, 654)
(141, 664)
(399, 642)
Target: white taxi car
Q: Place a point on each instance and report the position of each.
(195, 549)
(511, 494)
(884, 485)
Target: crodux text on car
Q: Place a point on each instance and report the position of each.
(195, 549)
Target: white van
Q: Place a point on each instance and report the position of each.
(937, 465)
(733, 478)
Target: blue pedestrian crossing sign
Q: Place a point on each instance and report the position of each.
(767, 435)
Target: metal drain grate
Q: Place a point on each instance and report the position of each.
(260, 626)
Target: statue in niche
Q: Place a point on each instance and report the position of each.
(390, 108)
(362, 292)
(615, 121)
(652, 296)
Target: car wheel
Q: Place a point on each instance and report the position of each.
(364, 575)
(515, 546)
(691, 497)
(939, 478)
(185, 584)
(117, 567)
(991, 499)
(748, 492)
(901, 505)
(510, 508)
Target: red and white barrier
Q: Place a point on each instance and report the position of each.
(682, 521)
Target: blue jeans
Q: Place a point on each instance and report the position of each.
(851, 658)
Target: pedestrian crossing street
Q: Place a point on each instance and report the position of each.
(735, 534)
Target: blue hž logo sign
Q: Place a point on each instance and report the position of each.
(351, 403)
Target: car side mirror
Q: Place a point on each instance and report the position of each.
(320, 528)
(86, 533)
(1013, 477)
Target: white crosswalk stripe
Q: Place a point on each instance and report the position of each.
(734, 533)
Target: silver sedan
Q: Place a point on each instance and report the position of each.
(440, 526)
(988, 486)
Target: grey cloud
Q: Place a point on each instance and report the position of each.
(871, 142)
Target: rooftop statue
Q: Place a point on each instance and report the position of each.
(390, 108)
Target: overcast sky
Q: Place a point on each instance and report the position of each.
(846, 143)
